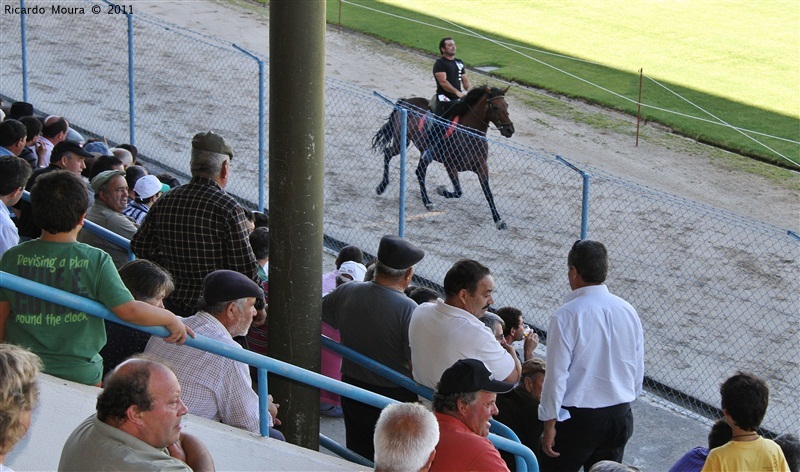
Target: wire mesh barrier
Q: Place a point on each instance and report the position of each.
(716, 292)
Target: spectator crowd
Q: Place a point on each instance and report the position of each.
(202, 266)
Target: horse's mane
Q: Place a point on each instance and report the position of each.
(465, 104)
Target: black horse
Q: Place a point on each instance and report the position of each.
(459, 148)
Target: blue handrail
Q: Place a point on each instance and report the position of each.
(389, 374)
(524, 457)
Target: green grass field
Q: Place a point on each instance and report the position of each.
(735, 60)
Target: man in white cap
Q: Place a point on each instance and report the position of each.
(351, 271)
(373, 319)
(147, 190)
(111, 197)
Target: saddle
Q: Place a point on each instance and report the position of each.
(429, 128)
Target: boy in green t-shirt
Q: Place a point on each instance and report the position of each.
(67, 340)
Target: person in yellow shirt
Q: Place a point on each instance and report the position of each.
(744, 402)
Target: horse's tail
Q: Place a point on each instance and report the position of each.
(383, 138)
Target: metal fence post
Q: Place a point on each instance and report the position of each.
(401, 226)
(261, 120)
(585, 197)
(23, 39)
(585, 205)
(131, 100)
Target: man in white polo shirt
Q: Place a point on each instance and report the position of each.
(443, 332)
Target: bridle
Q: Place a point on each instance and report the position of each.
(494, 119)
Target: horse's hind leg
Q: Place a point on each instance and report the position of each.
(422, 170)
(456, 193)
(387, 158)
(487, 192)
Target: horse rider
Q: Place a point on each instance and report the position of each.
(451, 78)
(452, 84)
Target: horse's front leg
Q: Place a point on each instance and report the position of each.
(487, 192)
(456, 193)
(422, 170)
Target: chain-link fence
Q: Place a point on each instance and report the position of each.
(716, 292)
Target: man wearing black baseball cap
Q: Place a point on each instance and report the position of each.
(67, 155)
(463, 403)
(373, 319)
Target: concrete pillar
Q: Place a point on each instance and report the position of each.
(296, 140)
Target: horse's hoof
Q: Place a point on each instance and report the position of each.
(501, 224)
(441, 190)
(430, 206)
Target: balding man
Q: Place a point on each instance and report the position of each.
(198, 228)
(137, 425)
(54, 131)
(216, 387)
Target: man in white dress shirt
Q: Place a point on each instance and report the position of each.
(595, 368)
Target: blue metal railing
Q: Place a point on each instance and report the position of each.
(525, 458)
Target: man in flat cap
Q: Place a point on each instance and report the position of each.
(216, 387)
(463, 403)
(443, 332)
(19, 110)
(111, 198)
(373, 319)
(198, 228)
